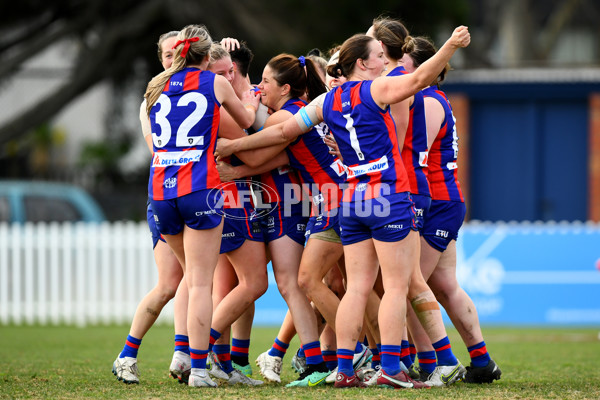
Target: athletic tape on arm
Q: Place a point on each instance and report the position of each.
(308, 117)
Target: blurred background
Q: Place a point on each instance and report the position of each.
(73, 73)
(526, 95)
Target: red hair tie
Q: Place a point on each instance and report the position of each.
(186, 47)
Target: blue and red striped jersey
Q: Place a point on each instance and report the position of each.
(185, 126)
(366, 136)
(443, 155)
(321, 173)
(282, 182)
(414, 150)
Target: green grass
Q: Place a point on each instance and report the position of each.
(73, 363)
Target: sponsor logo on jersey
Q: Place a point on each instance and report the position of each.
(170, 183)
(423, 157)
(318, 199)
(165, 159)
(207, 212)
(338, 167)
(301, 227)
(441, 233)
(228, 235)
(361, 187)
(395, 226)
(375, 166)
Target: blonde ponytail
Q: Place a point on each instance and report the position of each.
(187, 52)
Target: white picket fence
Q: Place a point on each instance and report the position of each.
(79, 274)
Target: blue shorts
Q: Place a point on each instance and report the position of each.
(156, 236)
(323, 222)
(443, 221)
(422, 204)
(238, 226)
(386, 218)
(198, 210)
(293, 224)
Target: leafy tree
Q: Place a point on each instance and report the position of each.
(114, 36)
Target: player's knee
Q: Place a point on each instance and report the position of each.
(260, 288)
(305, 282)
(166, 293)
(445, 293)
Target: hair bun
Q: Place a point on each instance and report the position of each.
(409, 44)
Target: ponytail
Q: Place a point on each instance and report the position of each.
(193, 46)
(298, 72)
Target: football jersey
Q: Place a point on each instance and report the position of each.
(321, 173)
(366, 137)
(443, 155)
(282, 182)
(185, 125)
(414, 150)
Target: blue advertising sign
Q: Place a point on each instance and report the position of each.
(531, 273)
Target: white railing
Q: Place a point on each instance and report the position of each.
(82, 274)
(76, 274)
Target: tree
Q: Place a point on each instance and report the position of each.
(113, 35)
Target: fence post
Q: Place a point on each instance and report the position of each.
(4, 282)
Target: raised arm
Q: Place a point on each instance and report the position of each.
(389, 90)
(230, 44)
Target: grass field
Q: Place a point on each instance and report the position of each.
(75, 363)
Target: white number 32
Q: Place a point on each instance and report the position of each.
(183, 138)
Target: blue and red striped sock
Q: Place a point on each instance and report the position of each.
(224, 356)
(131, 347)
(330, 359)
(479, 355)
(376, 360)
(214, 336)
(427, 361)
(358, 348)
(405, 354)
(390, 359)
(312, 351)
(443, 351)
(182, 343)
(279, 348)
(301, 352)
(345, 358)
(239, 351)
(413, 352)
(198, 358)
